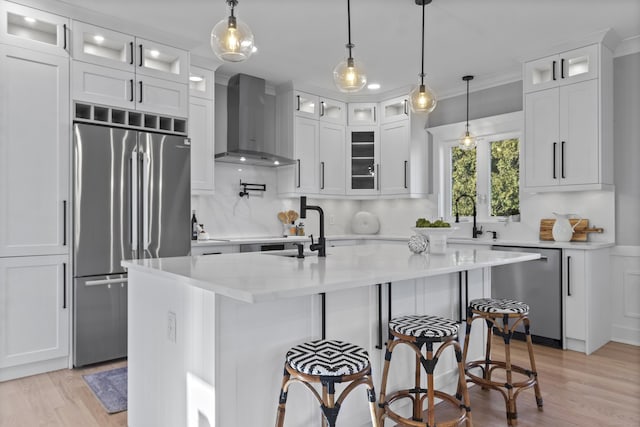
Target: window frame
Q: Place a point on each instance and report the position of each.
(486, 130)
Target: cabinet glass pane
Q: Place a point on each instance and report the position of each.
(360, 183)
(542, 73)
(577, 66)
(362, 150)
(362, 167)
(366, 136)
(306, 104)
(365, 114)
(30, 28)
(97, 44)
(395, 109)
(197, 82)
(331, 110)
(156, 59)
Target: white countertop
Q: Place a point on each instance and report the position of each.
(262, 276)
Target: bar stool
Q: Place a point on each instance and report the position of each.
(498, 313)
(416, 332)
(327, 362)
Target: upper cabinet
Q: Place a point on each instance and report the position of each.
(393, 110)
(568, 105)
(564, 68)
(201, 130)
(363, 113)
(121, 70)
(34, 29)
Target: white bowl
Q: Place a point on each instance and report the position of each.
(426, 231)
(437, 237)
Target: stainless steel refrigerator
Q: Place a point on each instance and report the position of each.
(131, 199)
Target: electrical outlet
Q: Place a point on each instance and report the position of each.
(332, 219)
(171, 326)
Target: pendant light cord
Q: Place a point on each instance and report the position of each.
(233, 4)
(468, 105)
(422, 64)
(349, 45)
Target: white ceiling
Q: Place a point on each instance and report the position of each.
(302, 40)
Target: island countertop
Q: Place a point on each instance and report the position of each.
(266, 276)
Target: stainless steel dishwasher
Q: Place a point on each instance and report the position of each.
(537, 283)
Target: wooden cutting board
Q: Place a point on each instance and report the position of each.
(579, 233)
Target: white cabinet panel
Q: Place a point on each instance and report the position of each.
(101, 85)
(542, 114)
(575, 294)
(34, 152)
(201, 136)
(306, 105)
(34, 323)
(565, 68)
(394, 109)
(306, 134)
(158, 60)
(332, 159)
(104, 47)
(394, 158)
(163, 97)
(34, 29)
(363, 114)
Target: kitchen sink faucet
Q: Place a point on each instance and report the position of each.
(321, 246)
(476, 232)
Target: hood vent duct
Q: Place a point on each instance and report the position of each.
(246, 142)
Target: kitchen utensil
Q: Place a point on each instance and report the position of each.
(292, 216)
(282, 216)
(579, 232)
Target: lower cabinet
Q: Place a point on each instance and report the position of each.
(34, 315)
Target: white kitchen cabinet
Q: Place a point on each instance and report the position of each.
(117, 88)
(34, 29)
(396, 109)
(306, 137)
(362, 113)
(34, 152)
(202, 145)
(564, 68)
(332, 158)
(126, 52)
(201, 82)
(586, 297)
(568, 131)
(306, 105)
(363, 160)
(394, 158)
(34, 315)
(333, 111)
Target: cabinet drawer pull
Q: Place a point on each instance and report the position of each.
(553, 70)
(64, 285)
(562, 160)
(569, 276)
(555, 144)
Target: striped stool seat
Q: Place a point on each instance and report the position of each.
(424, 326)
(499, 306)
(327, 358)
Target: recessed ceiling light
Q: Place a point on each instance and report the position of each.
(195, 78)
(30, 20)
(276, 162)
(154, 53)
(242, 159)
(373, 86)
(98, 38)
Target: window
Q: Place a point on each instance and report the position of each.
(488, 175)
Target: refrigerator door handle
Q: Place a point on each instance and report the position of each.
(105, 282)
(133, 185)
(146, 192)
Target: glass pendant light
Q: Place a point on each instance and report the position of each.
(422, 99)
(468, 141)
(349, 76)
(232, 39)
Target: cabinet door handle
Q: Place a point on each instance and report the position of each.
(553, 70)
(132, 90)
(141, 53)
(322, 170)
(298, 161)
(64, 36)
(64, 223)
(131, 52)
(569, 276)
(64, 285)
(377, 176)
(562, 160)
(405, 174)
(297, 102)
(379, 288)
(562, 68)
(554, 159)
(374, 114)
(140, 82)
(322, 109)
(405, 106)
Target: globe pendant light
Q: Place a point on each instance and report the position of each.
(468, 141)
(422, 99)
(232, 39)
(348, 76)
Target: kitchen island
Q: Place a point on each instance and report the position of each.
(207, 334)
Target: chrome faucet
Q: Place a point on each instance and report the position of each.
(321, 246)
(476, 231)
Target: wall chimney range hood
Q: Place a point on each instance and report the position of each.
(246, 142)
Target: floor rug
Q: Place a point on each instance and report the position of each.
(110, 387)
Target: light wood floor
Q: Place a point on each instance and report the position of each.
(602, 389)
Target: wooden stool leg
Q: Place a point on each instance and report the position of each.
(465, 348)
(463, 392)
(283, 399)
(383, 385)
(371, 394)
(536, 385)
(417, 407)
